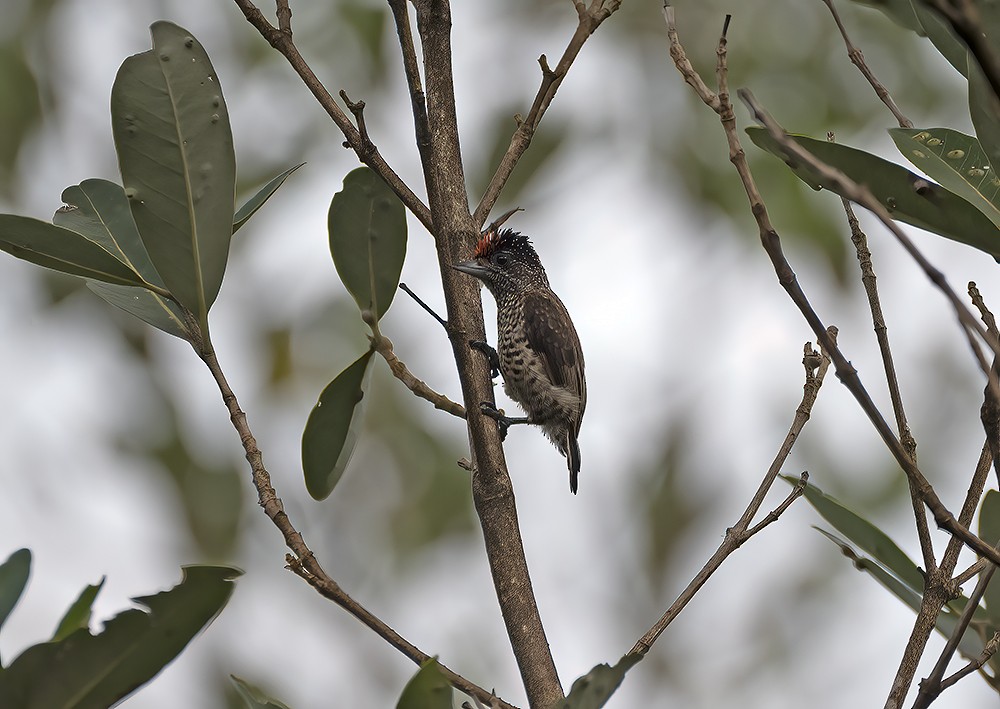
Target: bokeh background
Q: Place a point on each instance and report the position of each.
(117, 457)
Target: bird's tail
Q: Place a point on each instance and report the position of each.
(573, 461)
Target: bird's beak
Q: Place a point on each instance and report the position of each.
(473, 268)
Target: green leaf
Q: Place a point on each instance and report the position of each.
(78, 614)
(254, 698)
(909, 197)
(368, 239)
(989, 530)
(13, 578)
(916, 16)
(427, 689)
(61, 249)
(863, 533)
(971, 645)
(85, 670)
(145, 305)
(99, 210)
(958, 162)
(985, 111)
(332, 429)
(251, 206)
(594, 689)
(175, 151)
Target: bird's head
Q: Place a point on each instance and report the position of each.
(506, 262)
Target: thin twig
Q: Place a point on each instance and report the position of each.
(739, 533)
(858, 59)
(284, 15)
(282, 42)
(870, 282)
(411, 69)
(302, 560)
(990, 411)
(399, 370)
(590, 18)
(367, 147)
(406, 289)
(989, 651)
(772, 516)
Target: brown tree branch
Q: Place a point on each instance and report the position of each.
(366, 151)
(590, 18)
(455, 235)
(858, 59)
(399, 370)
(302, 560)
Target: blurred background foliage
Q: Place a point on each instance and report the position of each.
(628, 167)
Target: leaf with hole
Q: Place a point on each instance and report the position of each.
(909, 197)
(251, 206)
(175, 151)
(332, 429)
(427, 689)
(85, 670)
(367, 225)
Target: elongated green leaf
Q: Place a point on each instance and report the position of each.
(368, 239)
(61, 249)
(989, 530)
(251, 206)
(427, 689)
(985, 111)
(593, 690)
(85, 670)
(254, 698)
(175, 151)
(971, 644)
(909, 197)
(863, 533)
(331, 431)
(958, 162)
(78, 614)
(13, 578)
(145, 305)
(99, 210)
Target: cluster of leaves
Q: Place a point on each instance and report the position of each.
(79, 668)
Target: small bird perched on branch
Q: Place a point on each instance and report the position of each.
(538, 350)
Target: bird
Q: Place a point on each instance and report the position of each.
(538, 349)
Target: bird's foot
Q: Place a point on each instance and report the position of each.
(491, 356)
(504, 422)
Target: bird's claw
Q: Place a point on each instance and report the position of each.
(491, 356)
(503, 421)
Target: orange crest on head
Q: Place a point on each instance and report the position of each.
(487, 244)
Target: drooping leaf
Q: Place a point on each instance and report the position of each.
(78, 614)
(916, 16)
(367, 225)
(971, 644)
(427, 689)
(909, 197)
(13, 578)
(864, 534)
(145, 305)
(253, 697)
(251, 206)
(331, 431)
(594, 689)
(989, 530)
(84, 670)
(61, 249)
(958, 162)
(175, 151)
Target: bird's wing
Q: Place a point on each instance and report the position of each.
(551, 334)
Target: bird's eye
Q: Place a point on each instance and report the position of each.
(501, 260)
